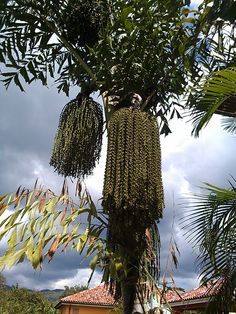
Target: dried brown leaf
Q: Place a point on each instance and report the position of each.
(53, 247)
(63, 215)
(42, 202)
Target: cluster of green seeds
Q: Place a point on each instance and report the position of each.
(133, 190)
(78, 141)
(83, 19)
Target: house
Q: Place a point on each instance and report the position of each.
(97, 300)
(193, 301)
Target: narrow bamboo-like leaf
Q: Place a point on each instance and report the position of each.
(53, 247)
(13, 238)
(50, 206)
(18, 83)
(93, 262)
(24, 74)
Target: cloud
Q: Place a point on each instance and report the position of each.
(196, 3)
(28, 122)
(80, 277)
(65, 269)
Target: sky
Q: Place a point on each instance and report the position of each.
(28, 122)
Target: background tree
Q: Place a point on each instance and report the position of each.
(127, 51)
(72, 290)
(15, 300)
(2, 281)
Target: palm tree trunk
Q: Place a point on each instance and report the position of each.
(128, 291)
(129, 285)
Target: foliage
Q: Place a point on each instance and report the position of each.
(211, 228)
(19, 300)
(215, 94)
(224, 10)
(2, 281)
(72, 290)
(78, 140)
(118, 308)
(42, 223)
(229, 125)
(211, 221)
(145, 47)
(52, 295)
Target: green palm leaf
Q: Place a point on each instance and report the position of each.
(229, 124)
(215, 94)
(210, 226)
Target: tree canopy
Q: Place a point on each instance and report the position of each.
(153, 49)
(15, 300)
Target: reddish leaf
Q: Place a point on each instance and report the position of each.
(53, 247)
(63, 215)
(42, 202)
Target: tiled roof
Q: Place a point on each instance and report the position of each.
(101, 296)
(95, 296)
(197, 293)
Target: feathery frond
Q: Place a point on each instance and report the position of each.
(216, 94)
(229, 124)
(210, 227)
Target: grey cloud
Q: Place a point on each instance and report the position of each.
(27, 127)
(62, 267)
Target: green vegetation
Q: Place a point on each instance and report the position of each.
(52, 295)
(15, 300)
(71, 290)
(212, 221)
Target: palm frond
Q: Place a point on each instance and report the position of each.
(229, 124)
(224, 300)
(210, 227)
(215, 94)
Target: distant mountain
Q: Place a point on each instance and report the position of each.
(52, 295)
(50, 290)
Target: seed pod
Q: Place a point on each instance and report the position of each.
(78, 141)
(83, 19)
(133, 191)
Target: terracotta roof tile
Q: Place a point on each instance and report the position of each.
(101, 296)
(197, 293)
(97, 296)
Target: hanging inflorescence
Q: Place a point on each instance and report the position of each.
(83, 19)
(78, 141)
(133, 191)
